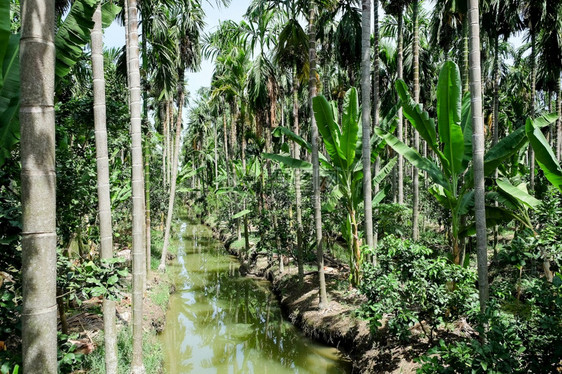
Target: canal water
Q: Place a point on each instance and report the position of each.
(220, 322)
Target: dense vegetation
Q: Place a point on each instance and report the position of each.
(298, 147)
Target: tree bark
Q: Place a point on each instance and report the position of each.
(38, 196)
(137, 365)
(315, 161)
(298, 195)
(176, 156)
(104, 200)
(533, 94)
(399, 127)
(415, 171)
(559, 122)
(366, 118)
(375, 107)
(478, 152)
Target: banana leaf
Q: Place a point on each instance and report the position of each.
(449, 116)
(519, 193)
(350, 126)
(544, 155)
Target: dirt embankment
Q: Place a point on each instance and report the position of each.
(334, 325)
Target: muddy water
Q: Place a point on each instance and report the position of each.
(220, 322)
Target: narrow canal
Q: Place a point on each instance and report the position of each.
(220, 322)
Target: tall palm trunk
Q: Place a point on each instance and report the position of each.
(216, 160)
(164, 119)
(315, 161)
(147, 222)
(415, 172)
(298, 195)
(533, 94)
(465, 78)
(495, 99)
(559, 122)
(366, 117)
(478, 152)
(399, 127)
(138, 187)
(176, 156)
(225, 145)
(38, 186)
(104, 201)
(375, 107)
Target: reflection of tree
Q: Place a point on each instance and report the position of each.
(230, 323)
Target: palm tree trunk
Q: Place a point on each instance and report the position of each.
(533, 94)
(147, 226)
(465, 86)
(375, 107)
(298, 196)
(495, 100)
(137, 188)
(415, 172)
(315, 161)
(164, 119)
(216, 146)
(104, 201)
(225, 145)
(171, 200)
(38, 186)
(366, 117)
(478, 153)
(399, 127)
(559, 122)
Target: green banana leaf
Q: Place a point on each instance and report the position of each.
(350, 126)
(328, 128)
(289, 161)
(383, 173)
(9, 97)
(73, 35)
(417, 116)
(519, 193)
(543, 154)
(449, 116)
(414, 158)
(5, 33)
(241, 214)
(109, 10)
(504, 149)
(466, 126)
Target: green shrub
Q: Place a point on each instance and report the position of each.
(410, 284)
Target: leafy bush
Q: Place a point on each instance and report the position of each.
(410, 284)
(522, 336)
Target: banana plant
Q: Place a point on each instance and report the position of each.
(450, 172)
(343, 167)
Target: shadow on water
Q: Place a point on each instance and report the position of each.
(220, 322)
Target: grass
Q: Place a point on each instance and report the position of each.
(153, 355)
(160, 295)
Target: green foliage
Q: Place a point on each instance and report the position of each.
(86, 280)
(151, 349)
(410, 284)
(522, 337)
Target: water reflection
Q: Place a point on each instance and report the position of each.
(219, 322)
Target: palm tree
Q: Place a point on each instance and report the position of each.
(104, 201)
(478, 152)
(395, 8)
(366, 117)
(37, 124)
(312, 86)
(416, 69)
(533, 17)
(188, 16)
(137, 365)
